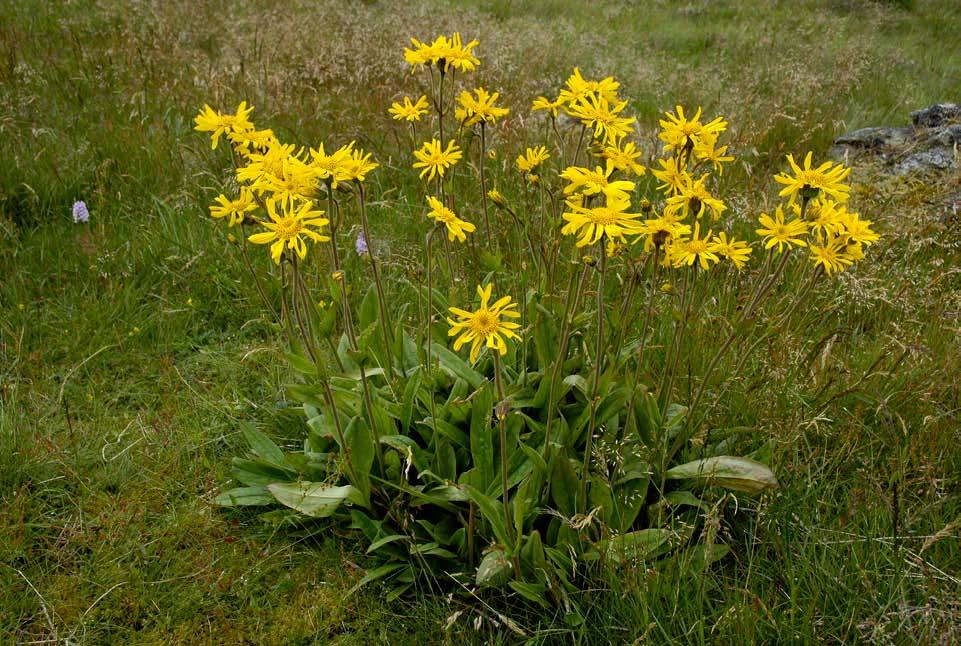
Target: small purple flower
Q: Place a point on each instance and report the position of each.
(80, 212)
(360, 244)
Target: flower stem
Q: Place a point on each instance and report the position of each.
(483, 181)
(501, 411)
(385, 326)
(598, 367)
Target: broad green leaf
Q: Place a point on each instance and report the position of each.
(245, 496)
(482, 436)
(315, 499)
(636, 546)
(360, 452)
(535, 592)
(384, 541)
(494, 569)
(565, 485)
(255, 473)
(368, 308)
(261, 445)
(457, 367)
(302, 364)
(739, 474)
(493, 512)
(377, 573)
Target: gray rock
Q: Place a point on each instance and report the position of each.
(874, 138)
(936, 115)
(939, 158)
(945, 136)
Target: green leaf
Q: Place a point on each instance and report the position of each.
(245, 496)
(384, 541)
(360, 450)
(409, 399)
(494, 569)
(565, 485)
(258, 472)
(482, 436)
(535, 592)
(739, 474)
(457, 367)
(377, 573)
(302, 364)
(368, 308)
(536, 459)
(493, 511)
(262, 446)
(636, 546)
(315, 499)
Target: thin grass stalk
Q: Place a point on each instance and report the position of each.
(483, 181)
(385, 325)
(574, 289)
(598, 368)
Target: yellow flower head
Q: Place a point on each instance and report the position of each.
(776, 232)
(263, 166)
(532, 158)
(694, 198)
(597, 112)
(444, 52)
(687, 251)
(578, 88)
(832, 256)
(456, 228)
(478, 108)
(592, 182)
(541, 103)
(435, 161)
(356, 167)
(409, 111)
(295, 181)
(610, 220)
(209, 120)
(810, 182)
(624, 158)
(680, 133)
(662, 230)
(236, 209)
(706, 150)
(336, 167)
(672, 175)
(249, 141)
(495, 196)
(737, 251)
(484, 327)
(288, 228)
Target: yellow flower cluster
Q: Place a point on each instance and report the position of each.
(594, 103)
(817, 198)
(443, 53)
(279, 180)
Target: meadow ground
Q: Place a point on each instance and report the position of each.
(132, 347)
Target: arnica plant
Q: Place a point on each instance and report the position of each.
(530, 411)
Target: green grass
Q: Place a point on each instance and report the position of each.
(144, 325)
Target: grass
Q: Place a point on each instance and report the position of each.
(132, 348)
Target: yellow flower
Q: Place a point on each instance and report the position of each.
(680, 133)
(659, 231)
(435, 161)
(444, 53)
(601, 114)
(857, 230)
(578, 88)
(624, 159)
(592, 182)
(248, 141)
(532, 158)
(687, 251)
(478, 108)
(706, 150)
(823, 216)
(495, 196)
(810, 182)
(456, 228)
(737, 251)
(335, 167)
(409, 111)
(541, 103)
(209, 120)
(270, 163)
(672, 175)
(485, 326)
(295, 181)
(287, 228)
(831, 256)
(694, 198)
(355, 167)
(235, 209)
(776, 232)
(593, 223)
